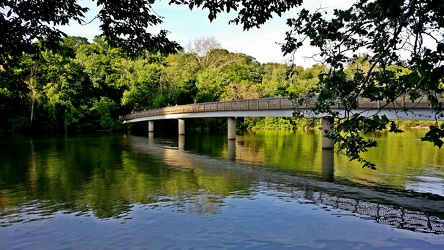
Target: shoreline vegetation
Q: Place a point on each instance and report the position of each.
(314, 123)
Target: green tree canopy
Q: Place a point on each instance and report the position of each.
(125, 24)
(404, 33)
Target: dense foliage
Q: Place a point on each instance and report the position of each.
(404, 45)
(87, 85)
(125, 24)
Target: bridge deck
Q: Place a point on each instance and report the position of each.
(263, 104)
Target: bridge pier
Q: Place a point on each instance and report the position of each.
(327, 128)
(150, 128)
(231, 128)
(181, 142)
(181, 126)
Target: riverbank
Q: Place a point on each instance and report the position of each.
(273, 123)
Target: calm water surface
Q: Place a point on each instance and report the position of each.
(266, 190)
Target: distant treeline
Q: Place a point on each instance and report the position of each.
(85, 86)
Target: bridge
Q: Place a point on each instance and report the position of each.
(278, 107)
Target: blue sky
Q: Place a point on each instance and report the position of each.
(186, 25)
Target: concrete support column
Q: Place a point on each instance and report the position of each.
(181, 126)
(150, 126)
(231, 128)
(327, 128)
(181, 142)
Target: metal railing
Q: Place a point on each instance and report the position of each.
(276, 103)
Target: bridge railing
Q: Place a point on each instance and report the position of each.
(275, 103)
(235, 105)
(400, 102)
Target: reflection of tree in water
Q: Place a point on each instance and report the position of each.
(4, 199)
(205, 202)
(112, 190)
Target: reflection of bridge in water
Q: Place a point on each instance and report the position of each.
(399, 209)
(392, 215)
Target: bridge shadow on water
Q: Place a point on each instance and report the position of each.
(396, 208)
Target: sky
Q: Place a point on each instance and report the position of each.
(186, 25)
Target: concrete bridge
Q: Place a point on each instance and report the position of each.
(278, 107)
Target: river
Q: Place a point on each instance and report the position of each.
(265, 190)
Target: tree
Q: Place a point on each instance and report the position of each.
(103, 110)
(200, 49)
(208, 53)
(124, 24)
(216, 67)
(32, 85)
(403, 33)
(408, 33)
(275, 78)
(99, 62)
(245, 77)
(211, 84)
(179, 78)
(141, 81)
(11, 91)
(241, 90)
(303, 81)
(66, 92)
